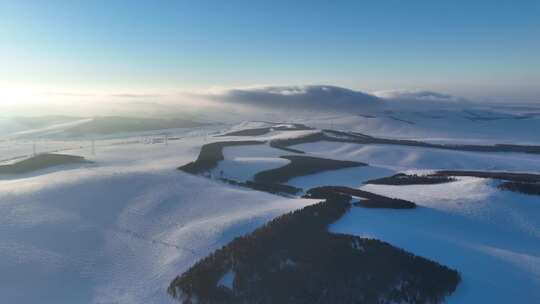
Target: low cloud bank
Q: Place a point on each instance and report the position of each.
(333, 98)
(405, 95)
(326, 98)
(313, 96)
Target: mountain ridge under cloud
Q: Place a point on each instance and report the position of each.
(315, 96)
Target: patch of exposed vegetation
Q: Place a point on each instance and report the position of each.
(402, 120)
(248, 132)
(265, 187)
(287, 149)
(211, 154)
(515, 177)
(309, 138)
(412, 179)
(359, 138)
(368, 199)
(527, 183)
(294, 259)
(521, 187)
(266, 130)
(117, 124)
(292, 126)
(41, 161)
(302, 165)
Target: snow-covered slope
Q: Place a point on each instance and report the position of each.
(455, 124)
(242, 163)
(120, 231)
(404, 158)
(490, 236)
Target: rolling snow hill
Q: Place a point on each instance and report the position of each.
(121, 229)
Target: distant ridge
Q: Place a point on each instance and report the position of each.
(305, 97)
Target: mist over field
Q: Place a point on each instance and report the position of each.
(393, 113)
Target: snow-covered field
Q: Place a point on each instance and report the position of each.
(404, 158)
(491, 237)
(452, 125)
(243, 162)
(120, 229)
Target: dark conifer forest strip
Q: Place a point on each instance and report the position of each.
(294, 259)
(41, 161)
(211, 154)
(411, 179)
(303, 165)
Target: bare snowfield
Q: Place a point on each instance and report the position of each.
(404, 158)
(243, 162)
(490, 236)
(119, 230)
(350, 177)
(451, 125)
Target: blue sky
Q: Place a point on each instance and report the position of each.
(479, 49)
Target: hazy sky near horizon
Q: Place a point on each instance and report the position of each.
(478, 49)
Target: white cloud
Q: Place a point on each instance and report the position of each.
(417, 95)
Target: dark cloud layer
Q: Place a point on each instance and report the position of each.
(314, 96)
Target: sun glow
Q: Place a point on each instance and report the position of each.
(10, 96)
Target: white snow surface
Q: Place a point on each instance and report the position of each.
(121, 230)
(455, 124)
(227, 280)
(241, 163)
(404, 158)
(491, 237)
(351, 177)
